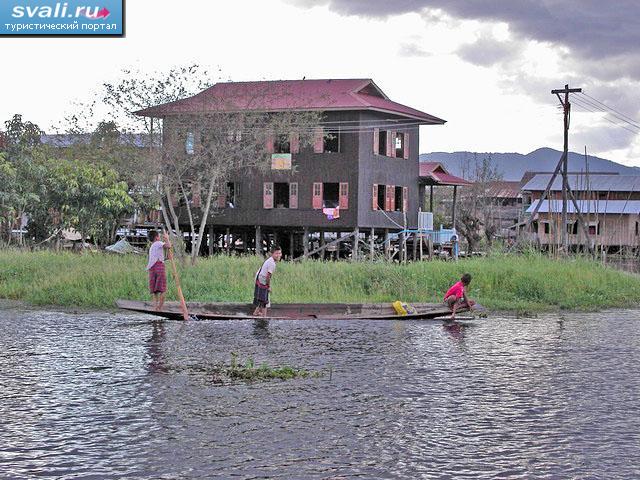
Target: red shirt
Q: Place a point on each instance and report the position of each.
(457, 289)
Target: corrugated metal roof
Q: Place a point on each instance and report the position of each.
(503, 189)
(597, 183)
(282, 95)
(631, 207)
(436, 174)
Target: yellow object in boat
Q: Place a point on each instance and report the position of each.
(399, 307)
(402, 308)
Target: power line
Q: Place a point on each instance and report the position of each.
(586, 107)
(632, 120)
(608, 112)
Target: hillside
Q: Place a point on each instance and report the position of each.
(513, 165)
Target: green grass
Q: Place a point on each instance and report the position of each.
(529, 283)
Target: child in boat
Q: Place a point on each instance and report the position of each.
(263, 282)
(456, 296)
(155, 267)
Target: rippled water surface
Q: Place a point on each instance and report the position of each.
(118, 396)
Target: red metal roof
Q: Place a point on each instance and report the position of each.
(280, 95)
(436, 174)
(503, 189)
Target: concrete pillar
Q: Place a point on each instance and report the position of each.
(387, 245)
(372, 243)
(354, 251)
(258, 240)
(305, 240)
(453, 207)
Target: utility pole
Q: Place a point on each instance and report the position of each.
(565, 179)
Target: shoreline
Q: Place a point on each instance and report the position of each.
(520, 285)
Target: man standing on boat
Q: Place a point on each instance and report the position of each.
(263, 282)
(155, 267)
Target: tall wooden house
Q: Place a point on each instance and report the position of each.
(361, 175)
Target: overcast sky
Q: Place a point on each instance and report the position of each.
(486, 66)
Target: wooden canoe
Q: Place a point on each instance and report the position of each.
(290, 311)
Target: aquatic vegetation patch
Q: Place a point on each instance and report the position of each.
(249, 370)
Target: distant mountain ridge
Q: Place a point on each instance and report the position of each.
(513, 165)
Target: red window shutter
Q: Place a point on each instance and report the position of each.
(316, 202)
(405, 199)
(375, 197)
(293, 195)
(267, 195)
(388, 153)
(387, 203)
(393, 144)
(405, 145)
(222, 197)
(294, 141)
(195, 194)
(318, 140)
(270, 143)
(391, 190)
(376, 140)
(343, 202)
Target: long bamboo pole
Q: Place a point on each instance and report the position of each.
(176, 278)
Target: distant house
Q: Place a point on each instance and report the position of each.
(435, 174)
(609, 203)
(505, 200)
(361, 178)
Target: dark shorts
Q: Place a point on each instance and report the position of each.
(157, 278)
(260, 296)
(452, 300)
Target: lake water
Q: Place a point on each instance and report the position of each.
(86, 395)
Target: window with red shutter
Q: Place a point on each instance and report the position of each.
(267, 195)
(392, 152)
(376, 141)
(344, 196)
(270, 143)
(405, 146)
(374, 197)
(389, 143)
(195, 194)
(316, 201)
(318, 140)
(391, 198)
(294, 141)
(293, 195)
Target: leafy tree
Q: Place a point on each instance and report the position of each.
(475, 217)
(87, 198)
(21, 172)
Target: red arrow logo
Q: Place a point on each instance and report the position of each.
(103, 13)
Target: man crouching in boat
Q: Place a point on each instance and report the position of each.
(155, 266)
(456, 296)
(263, 282)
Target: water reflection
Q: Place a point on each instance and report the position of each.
(108, 396)
(156, 361)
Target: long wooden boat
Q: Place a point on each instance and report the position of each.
(291, 311)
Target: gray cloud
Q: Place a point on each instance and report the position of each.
(592, 29)
(412, 50)
(488, 51)
(600, 138)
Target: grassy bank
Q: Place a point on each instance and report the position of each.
(516, 283)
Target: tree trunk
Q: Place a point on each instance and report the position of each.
(203, 223)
